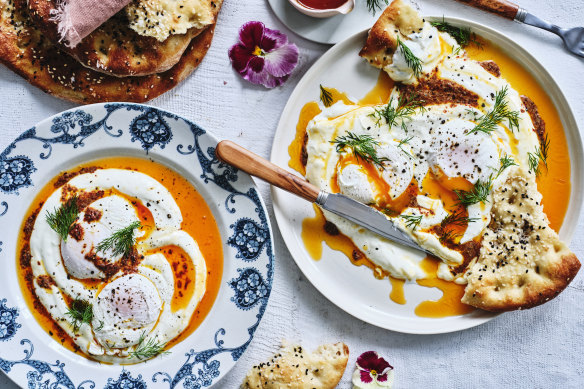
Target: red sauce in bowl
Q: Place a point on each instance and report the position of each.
(322, 4)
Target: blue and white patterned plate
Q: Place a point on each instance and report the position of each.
(28, 355)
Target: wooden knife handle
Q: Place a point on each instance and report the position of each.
(502, 8)
(255, 165)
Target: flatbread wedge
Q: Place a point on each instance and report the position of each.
(295, 367)
(399, 17)
(522, 262)
(114, 48)
(25, 50)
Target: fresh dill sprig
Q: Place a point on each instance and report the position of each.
(149, 349)
(404, 142)
(121, 241)
(412, 61)
(80, 311)
(533, 160)
(326, 96)
(487, 123)
(374, 5)
(457, 219)
(406, 107)
(412, 221)
(62, 218)
(478, 194)
(544, 150)
(539, 155)
(463, 36)
(505, 163)
(448, 235)
(363, 147)
(100, 327)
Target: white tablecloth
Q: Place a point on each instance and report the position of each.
(539, 348)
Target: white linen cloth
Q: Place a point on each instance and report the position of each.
(538, 348)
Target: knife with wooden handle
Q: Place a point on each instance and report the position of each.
(339, 204)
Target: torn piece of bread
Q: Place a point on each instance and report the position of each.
(27, 51)
(522, 262)
(114, 48)
(294, 367)
(382, 39)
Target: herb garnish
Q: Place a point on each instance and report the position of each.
(539, 155)
(406, 107)
(62, 218)
(149, 349)
(487, 123)
(373, 5)
(412, 61)
(478, 194)
(448, 235)
(463, 36)
(326, 96)
(544, 149)
(412, 221)
(505, 163)
(457, 219)
(403, 142)
(533, 161)
(363, 147)
(481, 190)
(81, 311)
(121, 241)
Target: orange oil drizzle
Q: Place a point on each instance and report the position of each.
(198, 221)
(313, 236)
(554, 184)
(380, 92)
(449, 304)
(182, 269)
(397, 291)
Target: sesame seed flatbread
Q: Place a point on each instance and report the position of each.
(114, 48)
(25, 50)
(522, 262)
(295, 367)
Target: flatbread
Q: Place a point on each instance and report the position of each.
(522, 262)
(25, 50)
(114, 48)
(295, 367)
(381, 42)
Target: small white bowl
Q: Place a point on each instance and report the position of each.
(324, 13)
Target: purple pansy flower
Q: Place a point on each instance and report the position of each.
(372, 371)
(263, 56)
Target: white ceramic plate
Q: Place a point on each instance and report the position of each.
(354, 289)
(328, 30)
(28, 355)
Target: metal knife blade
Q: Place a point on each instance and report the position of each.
(365, 216)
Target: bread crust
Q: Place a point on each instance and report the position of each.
(382, 38)
(522, 262)
(114, 48)
(25, 50)
(293, 367)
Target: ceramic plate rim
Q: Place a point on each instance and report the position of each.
(531, 64)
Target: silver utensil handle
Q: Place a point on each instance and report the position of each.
(525, 17)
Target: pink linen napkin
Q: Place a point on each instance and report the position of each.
(78, 18)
